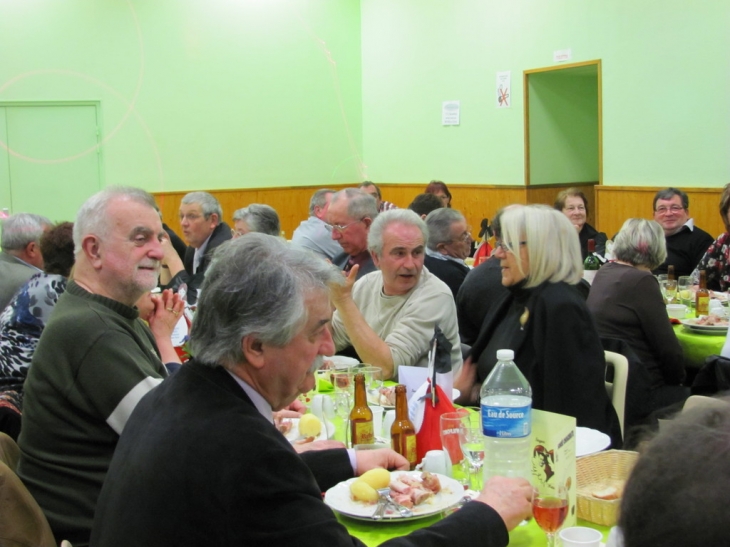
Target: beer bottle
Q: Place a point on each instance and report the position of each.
(361, 417)
(402, 432)
(702, 297)
(670, 272)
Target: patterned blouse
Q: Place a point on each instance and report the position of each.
(21, 324)
(716, 262)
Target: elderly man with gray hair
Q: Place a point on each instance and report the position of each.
(21, 252)
(201, 462)
(256, 217)
(350, 214)
(312, 233)
(201, 220)
(449, 243)
(95, 359)
(388, 316)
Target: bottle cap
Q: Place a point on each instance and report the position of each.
(505, 355)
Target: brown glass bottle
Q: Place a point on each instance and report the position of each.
(702, 296)
(361, 417)
(670, 272)
(402, 432)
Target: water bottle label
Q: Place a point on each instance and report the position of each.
(506, 421)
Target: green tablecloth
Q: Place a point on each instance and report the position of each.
(697, 347)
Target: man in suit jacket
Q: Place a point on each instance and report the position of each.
(350, 214)
(449, 243)
(21, 252)
(201, 463)
(203, 229)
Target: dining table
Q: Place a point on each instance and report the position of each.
(372, 533)
(699, 346)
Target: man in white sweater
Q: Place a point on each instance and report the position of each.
(388, 316)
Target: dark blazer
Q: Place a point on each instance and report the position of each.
(365, 268)
(13, 275)
(450, 272)
(198, 465)
(220, 235)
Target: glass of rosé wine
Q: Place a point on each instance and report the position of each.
(550, 507)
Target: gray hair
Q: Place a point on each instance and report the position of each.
(23, 228)
(92, 217)
(255, 285)
(368, 184)
(439, 225)
(553, 247)
(260, 218)
(207, 202)
(641, 242)
(319, 199)
(669, 193)
(394, 216)
(359, 204)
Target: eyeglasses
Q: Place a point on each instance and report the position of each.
(502, 245)
(466, 236)
(341, 227)
(191, 217)
(672, 209)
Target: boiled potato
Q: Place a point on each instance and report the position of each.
(362, 491)
(377, 478)
(310, 426)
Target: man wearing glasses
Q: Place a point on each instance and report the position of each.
(686, 243)
(203, 229)
(350, 214)
(449, 243)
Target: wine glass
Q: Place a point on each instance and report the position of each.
(472, 446)
(670, 290)
(344, 385)
(550, 507)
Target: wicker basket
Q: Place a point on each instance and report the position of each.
(599, 471)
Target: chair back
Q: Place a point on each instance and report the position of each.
(617, 389)
(9, 451)
(22, 522)
(694, 401)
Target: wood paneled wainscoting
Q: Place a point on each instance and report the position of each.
(609, 206)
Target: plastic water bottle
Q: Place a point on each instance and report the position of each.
(506, 404)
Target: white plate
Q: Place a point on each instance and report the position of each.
(589, 441)
(341, 360)
(455, 393)
(328, 431)
(703, 329)
(338, 498)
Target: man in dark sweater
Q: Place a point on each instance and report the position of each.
(686, 243)
(449, 243)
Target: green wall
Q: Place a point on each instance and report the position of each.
(564, 126)
(665, 87)
(199, 94)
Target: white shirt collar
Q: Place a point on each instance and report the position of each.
(439, 256)
(258, 401)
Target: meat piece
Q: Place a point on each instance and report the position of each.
(397, 485)
(419, 495)
(431, 482)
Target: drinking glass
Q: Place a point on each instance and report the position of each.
(450, 442)
(344, 385)
(684, 288)
(662, 278)
(472, 446)
(670, 290)
(550, 507)
(373, 382)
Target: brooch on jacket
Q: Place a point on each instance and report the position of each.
(523, 318)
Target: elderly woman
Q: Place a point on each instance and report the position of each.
(627, 304)
(544, 319)
(716, 261)
(440, 190)
(574, 205)
(256, 218)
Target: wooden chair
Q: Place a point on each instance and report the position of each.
(617, 389)
(22, 523)
(9, 451)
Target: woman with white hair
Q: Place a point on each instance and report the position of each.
(627, 304)
(543, 318)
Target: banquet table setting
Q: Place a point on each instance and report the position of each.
(357, 519)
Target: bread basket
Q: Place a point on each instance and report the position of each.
(598, 472)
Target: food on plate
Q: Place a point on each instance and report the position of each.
(284, 425)
(387, 396)
(608, 493)
(362, 491)
(310, 426)
(377, 478)
(409, 491)
(712, 320)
